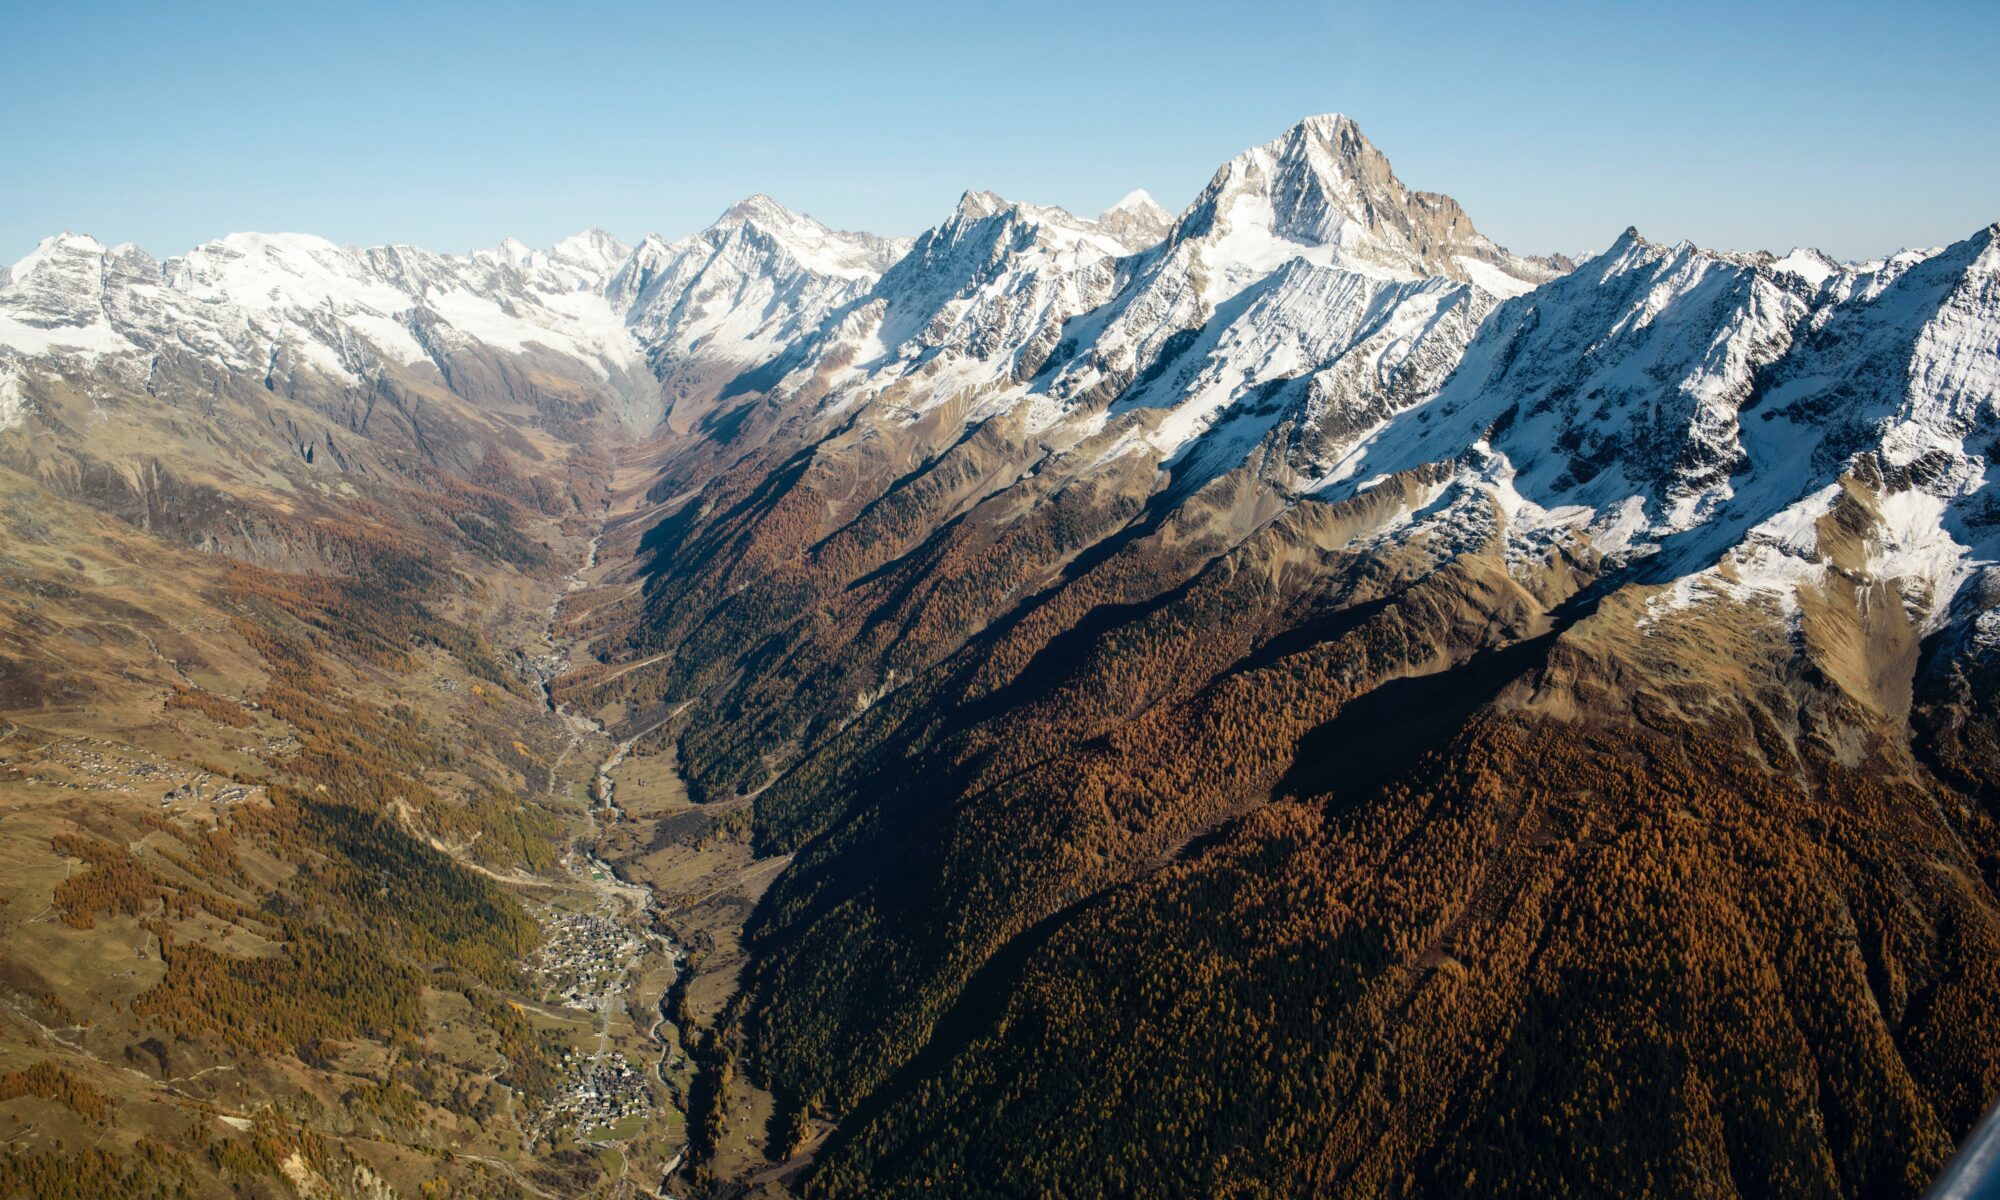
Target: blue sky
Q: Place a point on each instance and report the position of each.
(1856, 127)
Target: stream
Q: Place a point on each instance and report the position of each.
(594, 871)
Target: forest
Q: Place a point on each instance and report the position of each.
(1130, 860)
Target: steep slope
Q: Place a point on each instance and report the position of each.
(946, 394)
(1685, 410)
(738, 293)
(1070, 602)
(978, 300)
(1428, 685)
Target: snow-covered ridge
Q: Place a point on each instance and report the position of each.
(343, 310)
(998, 294)
(1691, 413)
(1698, 416)
(738, 290)
(978, 303)
(742, 290)
(1079, 318)
(1318, 198)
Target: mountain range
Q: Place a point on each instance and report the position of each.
(1288, 697)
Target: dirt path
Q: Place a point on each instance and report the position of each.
(627, 669)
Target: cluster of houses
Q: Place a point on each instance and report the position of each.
(91, 769)
(597, 1092)
(584, 955)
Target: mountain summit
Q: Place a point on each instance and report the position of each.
(1324, 187)
(1136, 220)
(738, 293)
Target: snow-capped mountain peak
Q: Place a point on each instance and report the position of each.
(49, 249)
(976, 203)
(1808, 264)
(738, 293)
(593, 253)
(267, 298)
(1125, 228)
(51, 301)
(1322, 191)
(1137, 221)
(1138, 201)
(811, 244)
(1299, 256)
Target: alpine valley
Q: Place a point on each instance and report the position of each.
(1286, 698)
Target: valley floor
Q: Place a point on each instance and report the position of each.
(688, 872)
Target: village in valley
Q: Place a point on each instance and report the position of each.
(604, 958)
(586, 955)
(602, 1096)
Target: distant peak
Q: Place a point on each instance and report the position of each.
(1628, 250)
(976, 206)
(593, 248)
(75, 241)
(61, 243)
(1136, 222)
(63, 246)
(751, 205)
(760, 209)
(589, 237)
(1630, 239)
(1138, 200)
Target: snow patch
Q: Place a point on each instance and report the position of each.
(13, 403)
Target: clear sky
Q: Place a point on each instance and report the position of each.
(1858, 127)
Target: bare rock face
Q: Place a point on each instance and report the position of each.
(1323, 184)
(1137, 221)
